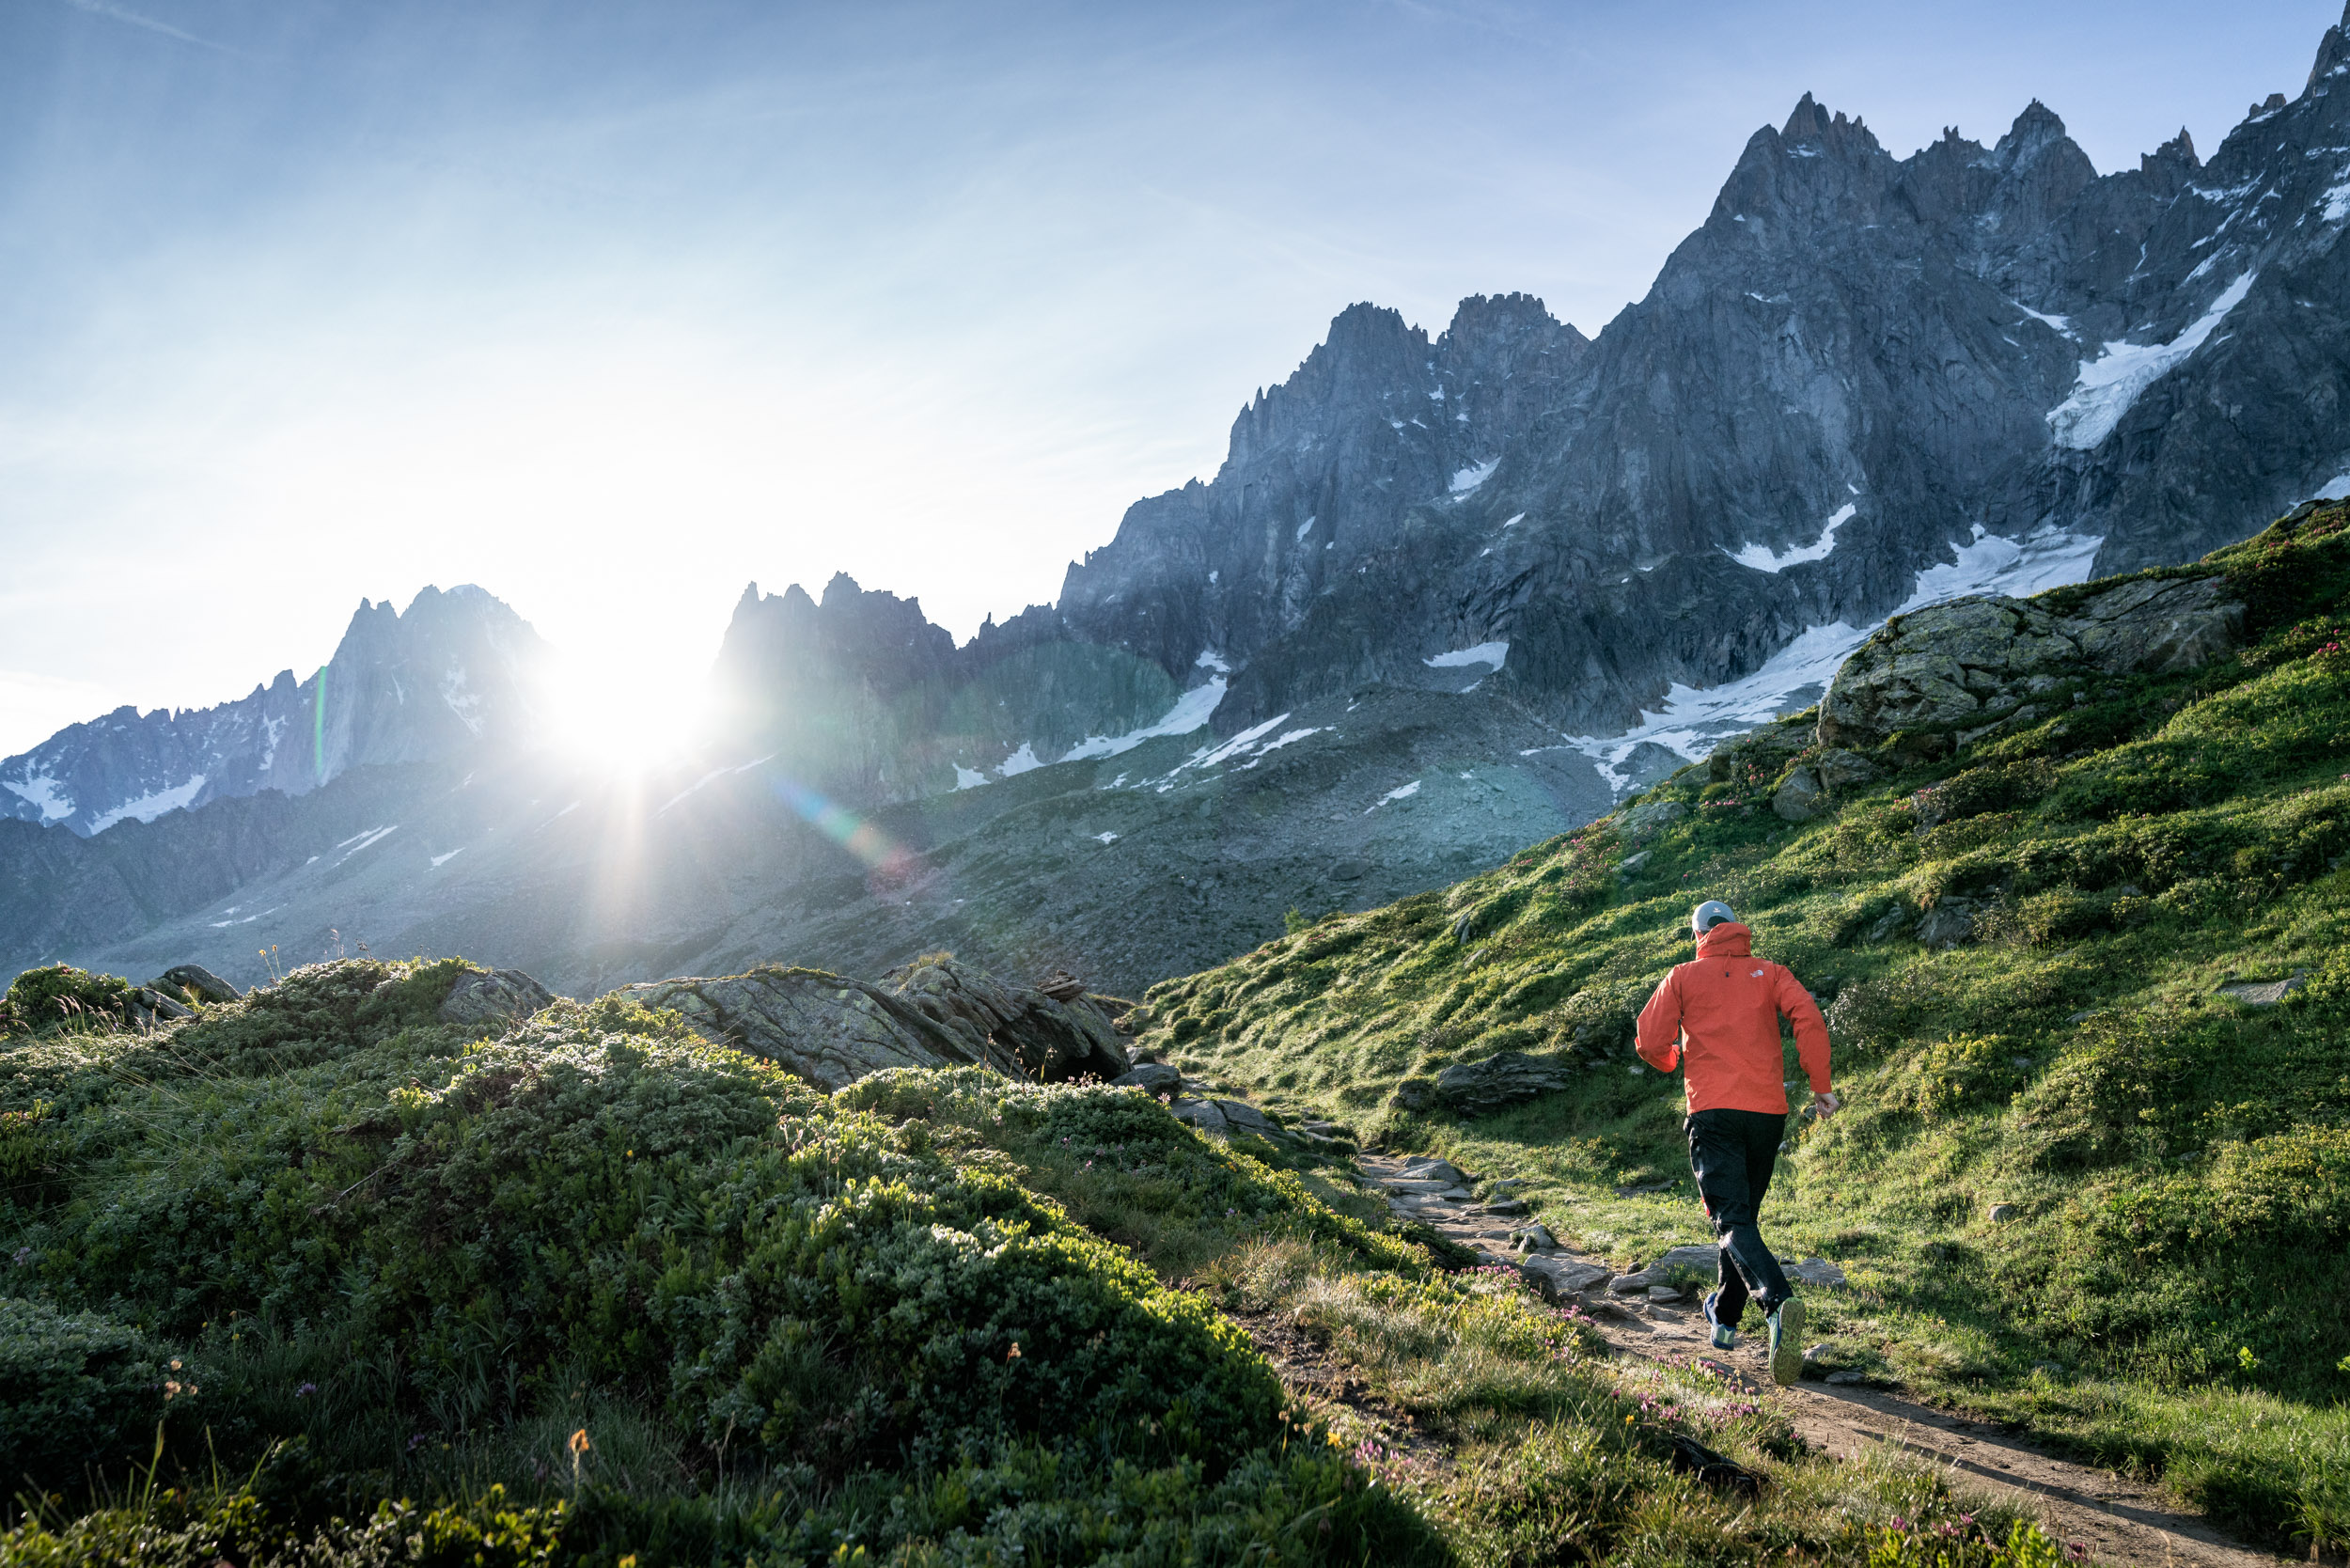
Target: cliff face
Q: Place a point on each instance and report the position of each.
(456, 671)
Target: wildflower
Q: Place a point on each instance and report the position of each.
(171, 1391)
(175, 1363)
(1900, 1522)
(579, 1443)
(1013, 1353)
(305, 1391)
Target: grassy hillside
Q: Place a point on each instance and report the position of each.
(2173, 1291)
(316, 1278)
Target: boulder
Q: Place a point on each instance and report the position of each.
(1536, 1238)
(1949, 923)
(2265, 993)
(1963, 669)
(1034, 1033)
(1556, 1278)
(1206, 1114)
(1413, 1094)
(2001, 1213)
(1508, 1208)
(1642, 821)
(1427, 1167)
(493, 999)
(1819, 1272)
(1844, 769)
(1800, 796)
(1152, 1078)
(1481, 1088)
(196, 980)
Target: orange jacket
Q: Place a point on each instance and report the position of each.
(1721, 1011)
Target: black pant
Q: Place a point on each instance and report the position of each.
(1732, 1152)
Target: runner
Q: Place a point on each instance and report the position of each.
(1717, 1017)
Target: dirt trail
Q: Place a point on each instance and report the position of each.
(2120, 1520)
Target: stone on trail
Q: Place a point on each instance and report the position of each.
(1427, 1169)
(499, 997)
(1152, 1078)
(1508, 1208)
(1665, 1292)
(1556, 1278)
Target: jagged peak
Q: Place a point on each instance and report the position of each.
(2178, 150)
(1807, 121)
(842, 589)
(2036, 129)
(2333, 51)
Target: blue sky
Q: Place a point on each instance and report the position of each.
(611, 308)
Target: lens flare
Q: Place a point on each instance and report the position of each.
(889, 861)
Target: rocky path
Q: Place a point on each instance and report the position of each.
(2119, 1520)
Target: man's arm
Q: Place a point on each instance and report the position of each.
(1811, 1029)
(1658, 1038)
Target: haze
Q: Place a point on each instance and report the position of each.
(613, 308)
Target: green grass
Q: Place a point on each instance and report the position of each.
(2175, 1294)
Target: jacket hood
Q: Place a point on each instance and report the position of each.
(1727, 940)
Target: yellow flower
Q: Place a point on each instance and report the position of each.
(579, 1441)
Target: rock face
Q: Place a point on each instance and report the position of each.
(495, 998)
(454, 673)
(1481, 1088)
(833, 1030)
(1955, 672)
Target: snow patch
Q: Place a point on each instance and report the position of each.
(1400, 792)
(1191, 711)
(365, 841)
(440, 860)
(148, 807)
(2335, 489)
(1693, 719)
(1208, 758)
(42, 795)
(1761, 557)
(1304, 528)
(1023, 760)
(2061, 324)
(969, 779)
(1515, 521)
(1106, 838)
(2109, 383)
(1210, 659)
(1469, 478)
(1492, 654)
(463, 703)
(1287, 737)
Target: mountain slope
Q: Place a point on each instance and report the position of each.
(2069, 873)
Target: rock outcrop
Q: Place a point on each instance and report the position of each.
(833, 1030)
(494, 998)
(1951, 674)
(1504, 1079)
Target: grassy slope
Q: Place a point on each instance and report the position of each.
(2177, 1291)
(355, 1279)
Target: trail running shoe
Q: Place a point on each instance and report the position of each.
(1787, 1343)
(1724, 1336)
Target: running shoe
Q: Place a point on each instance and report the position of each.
(1787, 1343)
(1724, 1336)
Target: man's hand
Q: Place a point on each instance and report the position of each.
(1827, 1104)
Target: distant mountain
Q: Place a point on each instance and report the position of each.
(1444, 597)
(456, 671)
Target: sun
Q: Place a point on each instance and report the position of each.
(612, 711)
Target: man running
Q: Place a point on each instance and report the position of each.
(1719, 1017)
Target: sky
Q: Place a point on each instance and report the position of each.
(613, 308)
